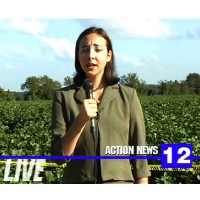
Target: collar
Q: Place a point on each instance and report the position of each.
(110, 93)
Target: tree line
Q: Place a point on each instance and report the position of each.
(191, 85)
(43, 87)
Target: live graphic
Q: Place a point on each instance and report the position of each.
(23, 170)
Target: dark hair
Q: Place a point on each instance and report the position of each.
(109, 73)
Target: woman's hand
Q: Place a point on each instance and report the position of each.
(89, 109)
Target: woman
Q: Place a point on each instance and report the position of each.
(115, 108)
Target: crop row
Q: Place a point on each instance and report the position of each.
(25, 129)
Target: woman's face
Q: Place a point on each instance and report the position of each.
(93, 55)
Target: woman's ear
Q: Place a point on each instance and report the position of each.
(109, 57)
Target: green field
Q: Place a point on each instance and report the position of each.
(25, 129)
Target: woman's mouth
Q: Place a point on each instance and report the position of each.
(91, 66)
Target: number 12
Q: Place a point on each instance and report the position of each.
(182, 159)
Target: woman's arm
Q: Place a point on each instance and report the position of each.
(141, 170)
(69, 141)
(141, 181)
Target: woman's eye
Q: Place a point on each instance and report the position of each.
(85, 50)
(88, 49)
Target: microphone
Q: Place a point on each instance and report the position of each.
(88, 87)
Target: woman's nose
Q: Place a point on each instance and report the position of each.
(91, 53)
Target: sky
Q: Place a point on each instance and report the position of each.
(154, 48)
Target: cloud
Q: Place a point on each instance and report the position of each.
(19, 52)
(42, 45)
(22, 25)
(5, 65)
(154, 57)
(144, 28)
(130, 60)
(198, 32)
(126, 64)
(189, 35)
(132, 28)
(61, 47)
(28, 26)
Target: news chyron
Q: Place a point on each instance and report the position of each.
(131, 150)
(171, 155)
(168, 155)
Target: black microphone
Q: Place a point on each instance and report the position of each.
(88, 87)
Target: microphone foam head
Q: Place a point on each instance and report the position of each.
(88, 84)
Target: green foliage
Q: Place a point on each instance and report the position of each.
(189, 86)
(25, 129)
(40, 87)
(6, 95)
(172, 119)
(68, 81)
(193, 81)
(133, 81)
